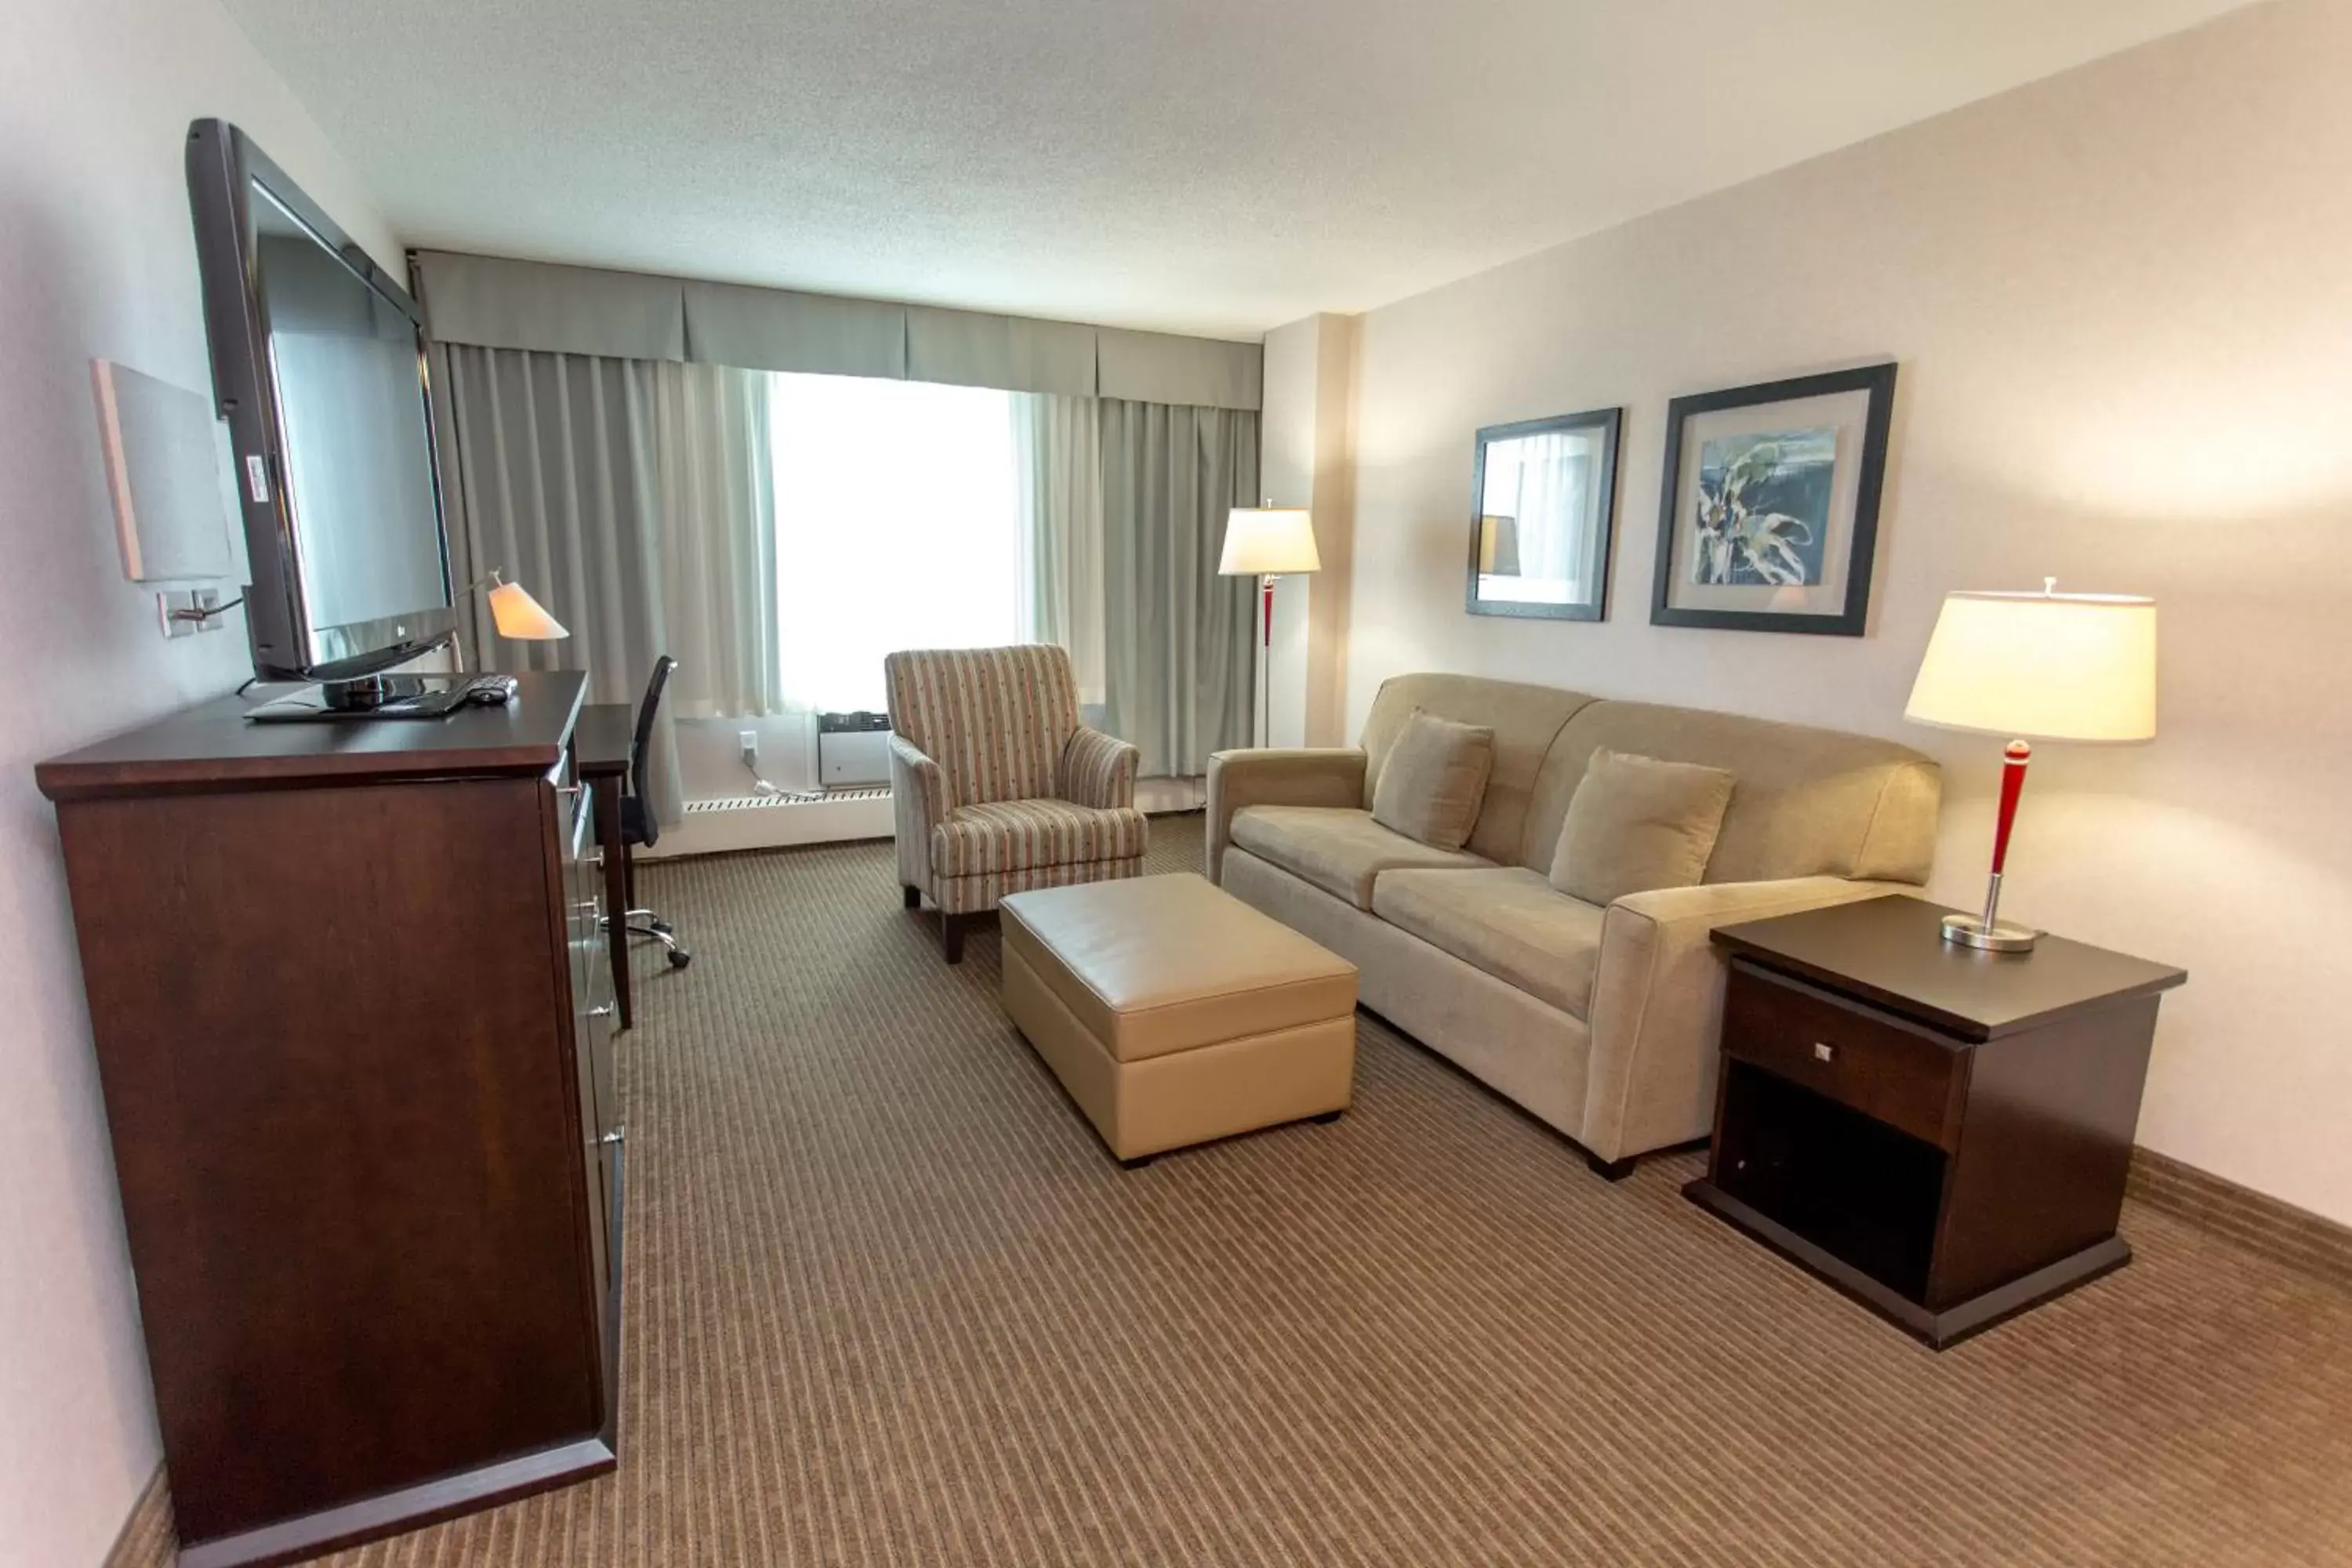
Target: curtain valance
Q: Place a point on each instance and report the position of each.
(1012, 353)
(778, 329)
(494, 302)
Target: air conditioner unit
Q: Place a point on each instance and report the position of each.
(853, 750)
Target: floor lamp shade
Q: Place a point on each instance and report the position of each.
(2046, 665)
(1267, 542)
(1498, 546)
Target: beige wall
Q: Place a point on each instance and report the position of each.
(1306, 433)
(95, 261)
(2122, 302)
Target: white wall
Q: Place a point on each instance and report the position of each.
(95, 261)
(2122, 302)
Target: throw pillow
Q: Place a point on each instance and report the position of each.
(1636, 824)
(1434, 780)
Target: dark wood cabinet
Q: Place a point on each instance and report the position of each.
(1943, 1133)
(352, 1011)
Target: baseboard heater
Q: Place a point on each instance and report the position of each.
(766, 803)
(853, 750)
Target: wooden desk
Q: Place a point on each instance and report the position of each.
(1940, 1132)
(600, 746)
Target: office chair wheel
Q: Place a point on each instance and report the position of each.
(679, 958)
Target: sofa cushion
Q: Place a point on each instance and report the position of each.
(1811, 803)
(1508, 921)
(1020, 835)
(1526, 719)
(1339, 849)
(1434, 780)
(1637, 825)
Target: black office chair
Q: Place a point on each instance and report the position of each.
(638, 823)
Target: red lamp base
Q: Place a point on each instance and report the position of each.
(1989, 931)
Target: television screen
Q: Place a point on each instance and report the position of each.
(318, 364)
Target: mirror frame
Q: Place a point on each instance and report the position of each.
(1609, 422)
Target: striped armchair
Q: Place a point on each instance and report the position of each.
(995, 786)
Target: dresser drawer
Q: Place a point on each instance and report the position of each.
(1892, 1071)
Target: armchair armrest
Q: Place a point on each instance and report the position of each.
(1098, 769)
(1657, 1004)
(1318, 775)
(918, 801)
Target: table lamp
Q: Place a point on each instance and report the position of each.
(2047, 666)
(1267, 542)
(517, 615)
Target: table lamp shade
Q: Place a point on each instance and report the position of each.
(2046, 665)
(518, 616)
(1265, 542)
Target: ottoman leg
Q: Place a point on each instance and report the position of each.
(1137, 1163)
(1328, 1118)
(914, 898)
(951, 936)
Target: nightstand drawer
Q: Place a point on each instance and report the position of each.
(1890, 1071)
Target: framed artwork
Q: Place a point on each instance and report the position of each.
(1543, 502)
(1768, 514)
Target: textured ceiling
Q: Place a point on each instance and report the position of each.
(1204, 165)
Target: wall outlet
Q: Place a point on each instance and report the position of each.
(185, 612)
(172, 608)
(747, 742)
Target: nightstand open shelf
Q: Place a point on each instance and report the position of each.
(1940, 1132)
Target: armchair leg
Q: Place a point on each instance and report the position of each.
(951, 936)
(914, 896)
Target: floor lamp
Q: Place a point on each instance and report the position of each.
(1265, 543)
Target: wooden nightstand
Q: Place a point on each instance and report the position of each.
(1940, 1132)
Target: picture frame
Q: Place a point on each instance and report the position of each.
(1769, 503)
(1543, 511)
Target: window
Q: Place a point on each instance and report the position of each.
(898, 526)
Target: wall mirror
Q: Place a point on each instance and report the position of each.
(1543, 504)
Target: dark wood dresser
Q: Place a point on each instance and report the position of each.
(351, 1008)
(1941, 1132)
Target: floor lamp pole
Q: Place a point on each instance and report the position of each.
(1265, 661)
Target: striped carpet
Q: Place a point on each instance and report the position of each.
(889, 1302)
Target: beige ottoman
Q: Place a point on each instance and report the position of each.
(1174, 1013)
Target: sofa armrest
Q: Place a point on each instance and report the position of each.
(1098, 769)
(918, 802)
(1657, 1004)
(1277, 777)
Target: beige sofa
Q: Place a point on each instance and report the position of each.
(1601, 1022)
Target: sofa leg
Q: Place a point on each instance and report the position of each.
(1609, 1170)
(914, 896)
(951, 936)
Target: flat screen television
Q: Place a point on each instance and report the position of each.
(318, 367)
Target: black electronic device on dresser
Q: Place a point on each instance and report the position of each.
(352, 1011)
(1942, 1133)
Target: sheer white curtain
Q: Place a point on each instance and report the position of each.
(898, 525)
